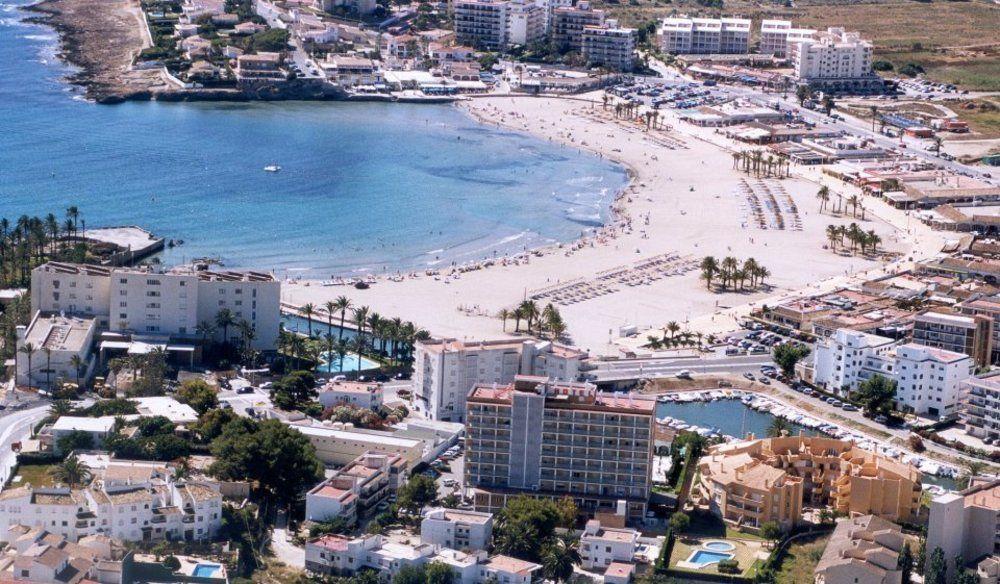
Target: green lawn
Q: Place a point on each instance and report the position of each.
(35, 474)
(800, 560)
(745, 553)
(707, 525)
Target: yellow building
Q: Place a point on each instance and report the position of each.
(752, 482)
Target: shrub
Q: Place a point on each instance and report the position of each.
(729, 567)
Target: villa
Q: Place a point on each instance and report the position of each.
(862, 550)
(352, 393)
(756, 481)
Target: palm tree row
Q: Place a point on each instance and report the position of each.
(391, 338)
(824, 195)
(674, 337)
(856, 237)
(754, 162)
(30, 241)
(730, 272)
(548, 320)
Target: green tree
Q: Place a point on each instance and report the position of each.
(905, 563)
(211, 423)
(524, 525)
(786, 355)
(410, 574)
(75, 440)
(438, 573)
(281, 459)
(198, 394)
(172, 563)
(679, 522)
(420, 490)
(294, 389)
(770, 531)
(937, 568)
(558, 559)
(779, 427)
(877, 394)
(72, 472)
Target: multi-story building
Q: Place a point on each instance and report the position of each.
(338, 444)
(128, 501)
(971, 335)
(862, 550)
(843, 360)
(457, 529)
(260, 68)
(966, 523)
(928, 380)
(55, 348)
(554, 440)
(481, 24)
(527, 22)
(444, 371)
(161, 304)
(698, 36)
(602, 546)
(356, 490)
(980, 406)
(353, 393)
(755, 481)
(36, 555)
(775, 35)
(568, 23)
(342, 556)
(988, 307)
(834, 60)
(612, 47)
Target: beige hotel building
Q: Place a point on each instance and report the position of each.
(755, 481)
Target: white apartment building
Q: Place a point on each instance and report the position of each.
(928, 380)
(834, 60)
(602, 546)
(56, 342)
(527, 22)
(568, 23)
(981, 406)
(610, 46)
(342, 556)
(966, 523)
(353, 393)
(687, 36)
(481, 24)
(168, 304)
(97, 428)
(357, 489)
(457, 529)
(338, 444)
(445, 370)
(775, 35)
(848, 357)
(127, 500)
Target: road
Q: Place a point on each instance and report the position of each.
(624, 370)
(14, 427)
(282, 547)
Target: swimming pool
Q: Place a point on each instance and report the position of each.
(206, 570)
(702, 558)
(719, 546)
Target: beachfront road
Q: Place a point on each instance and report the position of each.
(623, 370)
(14, 427)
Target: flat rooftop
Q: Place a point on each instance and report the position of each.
(59, 333)
(128, 237)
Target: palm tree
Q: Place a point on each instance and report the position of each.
(342, 348)
(77, 363)
(342, 304)
(503, 315)
(307, 311)
(48, 367)
(672, 327)
(729, 266)
(558, 560)
(358, 347)
(823, 194)
(225, 319)
(72, 471)
(709, 269)
(206, 329)
(529, 310)
(779, 426)
(832, 235)
(330, 306)
(360, 321)
(762, 274)
(28, 350)
(853, 201)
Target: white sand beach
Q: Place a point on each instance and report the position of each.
(686, 201)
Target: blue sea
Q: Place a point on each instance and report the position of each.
(364, 187)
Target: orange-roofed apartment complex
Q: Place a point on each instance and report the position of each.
(557, 439)
(753, 482)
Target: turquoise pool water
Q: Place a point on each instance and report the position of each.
(350, 364)
(705, 557)
(206, 570)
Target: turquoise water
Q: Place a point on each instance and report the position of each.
(350, 364)
(365, 187)
(298, 324)
(705, 557)
(206, 570)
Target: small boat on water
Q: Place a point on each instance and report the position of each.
(272, 168)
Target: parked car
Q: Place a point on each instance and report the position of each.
(849, 408)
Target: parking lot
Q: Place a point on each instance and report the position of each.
(452, 469)
(675, 92)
